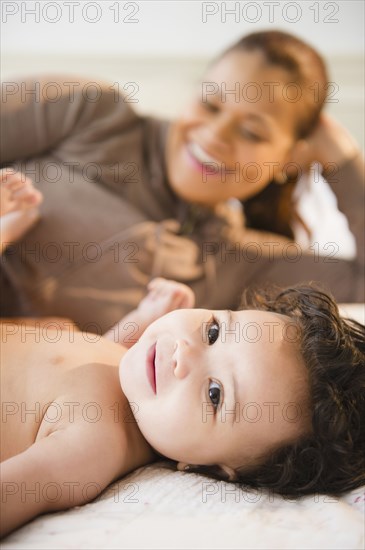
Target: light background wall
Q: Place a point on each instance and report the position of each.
(163, 47)
(171, 28)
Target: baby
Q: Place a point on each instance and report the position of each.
(268, 396)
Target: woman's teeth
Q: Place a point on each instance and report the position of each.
(199, 153)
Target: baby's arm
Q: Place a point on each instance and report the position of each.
(65, 469)
(163, 296)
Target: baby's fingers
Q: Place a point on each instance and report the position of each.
(28, 195)
(6, 173)
(188, 298)
(156, 282)
(14, 180)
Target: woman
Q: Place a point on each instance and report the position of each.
(127, 198)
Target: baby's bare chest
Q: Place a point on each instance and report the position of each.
(46, 384)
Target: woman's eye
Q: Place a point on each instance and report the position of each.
(213, 331)
(214, 393)
(250, 135)
(210, 106)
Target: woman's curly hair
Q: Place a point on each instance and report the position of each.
(331, 459)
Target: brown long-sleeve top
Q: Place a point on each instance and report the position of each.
(110, 221)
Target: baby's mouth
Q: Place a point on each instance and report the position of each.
(154, 370)
(151, 367)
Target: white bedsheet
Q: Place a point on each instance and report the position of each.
(157, 508)
(154, 507)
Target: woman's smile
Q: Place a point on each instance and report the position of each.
(200, 153)
(201, 160)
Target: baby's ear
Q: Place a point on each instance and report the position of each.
(229, 472)
(182, 466)
(226, 471)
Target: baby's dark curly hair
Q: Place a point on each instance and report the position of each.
(331, 459)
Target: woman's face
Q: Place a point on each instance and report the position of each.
(237, 133)
(229, 386)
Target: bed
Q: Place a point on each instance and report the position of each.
(155, 507)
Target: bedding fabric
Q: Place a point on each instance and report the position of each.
(158, 508)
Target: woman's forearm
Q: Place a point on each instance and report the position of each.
(347, 182)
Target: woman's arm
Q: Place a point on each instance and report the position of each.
(39, 112)
(330, 144)
(343, 168)
(344, 278)
(347, 182)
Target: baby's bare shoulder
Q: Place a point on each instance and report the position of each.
(88, 395)
(92, 417)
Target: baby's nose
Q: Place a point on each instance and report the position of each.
(181, 359)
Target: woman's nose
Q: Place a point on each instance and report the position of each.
(181, 359)
(219, 131)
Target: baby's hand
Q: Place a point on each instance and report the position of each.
(164, 296)
(17, 192)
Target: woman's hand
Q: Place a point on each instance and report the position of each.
(329, 143)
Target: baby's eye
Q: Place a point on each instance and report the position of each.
(213, 331)
(214, 393)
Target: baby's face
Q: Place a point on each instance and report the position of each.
(229, 385)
